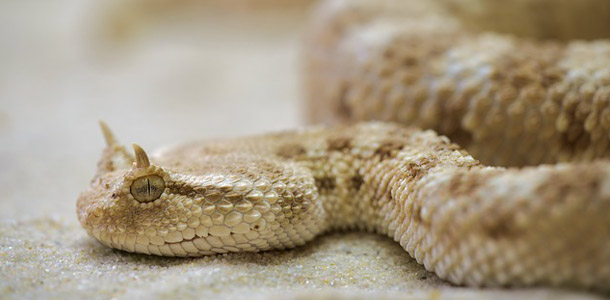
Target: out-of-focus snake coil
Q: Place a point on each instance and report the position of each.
(509, 101)
(516, 83)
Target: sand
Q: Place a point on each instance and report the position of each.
(158, 79)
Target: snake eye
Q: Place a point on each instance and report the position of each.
(147, 188)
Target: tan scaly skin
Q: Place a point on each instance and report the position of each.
(508, 100)
(470, 224)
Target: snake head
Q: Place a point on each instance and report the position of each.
(125, 197)
(192, 200)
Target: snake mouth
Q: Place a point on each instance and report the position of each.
(191, 247)
(182, 241)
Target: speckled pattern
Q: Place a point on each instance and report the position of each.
(509, 101)
(470, 224)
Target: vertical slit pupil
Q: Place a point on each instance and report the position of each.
(147, 188)
(148, 192)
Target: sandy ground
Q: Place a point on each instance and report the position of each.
(159, 78)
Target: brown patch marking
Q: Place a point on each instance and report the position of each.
(325, 184)
(388, 149)
(339, 144)
(415, 171)
(356, 182)
(501, 228)
(290, 150)
(185, 190)
(417, 215)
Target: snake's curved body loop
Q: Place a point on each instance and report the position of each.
(468, 223)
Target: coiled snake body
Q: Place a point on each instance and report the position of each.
(469, 223)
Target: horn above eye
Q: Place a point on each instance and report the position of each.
(141, 157)
(147, 188)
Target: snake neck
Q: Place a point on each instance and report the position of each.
(377, 193)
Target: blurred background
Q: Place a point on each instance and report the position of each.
(157, 71)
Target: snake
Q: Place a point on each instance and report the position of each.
(508, 100)
(411, 98)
